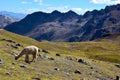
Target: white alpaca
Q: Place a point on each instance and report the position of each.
(29, 50)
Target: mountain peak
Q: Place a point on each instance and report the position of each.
(56, 12)
(113, 7)
(69, 26)
(72, 12)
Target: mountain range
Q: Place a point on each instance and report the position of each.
(69, 26)
(4, 20)
(17, 16)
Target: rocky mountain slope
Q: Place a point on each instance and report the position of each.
(69, 26)
(4, 20)
(59, 61)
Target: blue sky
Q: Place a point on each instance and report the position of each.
(29, 6)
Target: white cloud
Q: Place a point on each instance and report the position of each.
(25, 2)
(77, 10)
(40, 2)
(61, 9)
(51, 9)
(28, 11)
(31, 10)
(80, 10)
(109, 2)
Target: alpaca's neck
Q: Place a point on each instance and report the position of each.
(14, 54)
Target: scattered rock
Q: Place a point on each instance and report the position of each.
(92, 67)
(36, 78)
(51, 58)
(14, 46)
(58, 54)
(77, 72)
(13, 63)
(1, 61)
(96, 71)
(83, 61)
(18, 44)
(57, 69)
(3, 39)
(118, 65)
(11, 41)
(45, 51)
(23, 66)
(49, 72)
(69, 58)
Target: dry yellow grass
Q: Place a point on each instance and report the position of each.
(101, 56)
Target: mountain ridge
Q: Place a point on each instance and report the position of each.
(69, 26)
(4, 20)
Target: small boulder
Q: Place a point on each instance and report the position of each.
(36, 78)
(13, 63)
(23, 66)
(3, 39)
(77, 72)
(118, 65)
(18, 44)
(14, 46)
(83, 61)
(51, 58)
(1, 61)
(58, 54)
(57, 69)
(92, 67)
(11, 41)
(45, 51)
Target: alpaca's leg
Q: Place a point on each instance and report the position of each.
(34, 57)
(26, 58)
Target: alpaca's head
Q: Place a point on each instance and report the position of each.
(16, 56)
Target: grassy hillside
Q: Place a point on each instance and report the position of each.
(101, 57)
